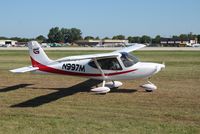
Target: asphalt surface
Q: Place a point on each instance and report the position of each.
(110, 48)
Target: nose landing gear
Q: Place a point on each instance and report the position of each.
(149, 87)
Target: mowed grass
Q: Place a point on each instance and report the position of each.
(33, 103)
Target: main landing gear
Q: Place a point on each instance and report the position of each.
(106, 86)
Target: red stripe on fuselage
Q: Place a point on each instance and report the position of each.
(57, 71)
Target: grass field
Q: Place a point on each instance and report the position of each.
(48, 104)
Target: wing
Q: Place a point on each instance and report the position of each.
(104, 55)
(24, 69)
(93, 56)
(131, 48)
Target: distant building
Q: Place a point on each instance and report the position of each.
(21, 44)
(7, 43)
(178, 42)
(109, 43)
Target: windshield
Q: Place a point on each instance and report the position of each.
(128, 59)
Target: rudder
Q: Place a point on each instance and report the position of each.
(37, 54)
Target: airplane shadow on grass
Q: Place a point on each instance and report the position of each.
(63, 92)
(14, 87)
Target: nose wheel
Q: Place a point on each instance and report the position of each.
(149, 87)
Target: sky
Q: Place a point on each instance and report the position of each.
(30, 18)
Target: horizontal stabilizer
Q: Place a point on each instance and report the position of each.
(24, 69)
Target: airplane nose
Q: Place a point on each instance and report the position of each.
(162, 66)
(159, 67)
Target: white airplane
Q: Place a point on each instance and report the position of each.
(108, 67)
(196, 45)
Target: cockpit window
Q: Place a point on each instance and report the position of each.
(107, 64)
(128, 59)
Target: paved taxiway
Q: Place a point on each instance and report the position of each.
(111, 48)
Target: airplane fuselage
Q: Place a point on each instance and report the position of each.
(83, 69)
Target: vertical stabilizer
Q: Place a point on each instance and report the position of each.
(37, 54)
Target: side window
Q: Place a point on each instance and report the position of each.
(92, 64)
(107, 64)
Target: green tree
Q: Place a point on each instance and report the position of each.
(145, 39)
(106, 38)
(191, 36)
(41, 38)
(89, 38)
(3, 38)
(20, 39)
(157, 39)
(66, 34)
(55, 35)
(75, 34)
(130, 39)
(183, 37)
(175, 37)
(119, 37)
(97, 38)
(198, 38)
(136, 39)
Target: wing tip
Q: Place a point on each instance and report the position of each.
(131, 48)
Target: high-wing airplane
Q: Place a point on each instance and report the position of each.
(108, 67)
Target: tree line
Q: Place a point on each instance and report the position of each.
(71, 35)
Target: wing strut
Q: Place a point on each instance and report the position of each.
(100, 69)
(103, 89)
